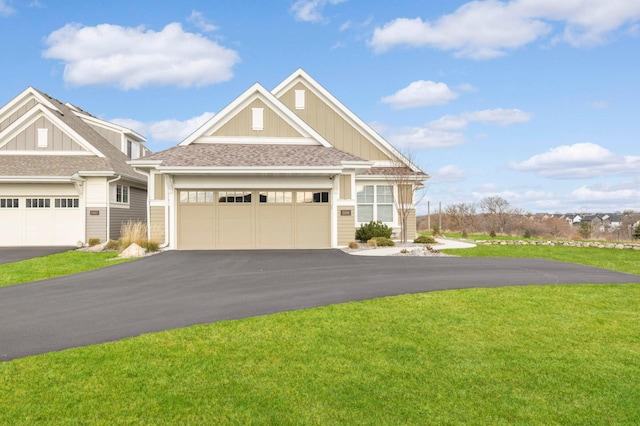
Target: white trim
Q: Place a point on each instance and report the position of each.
(334, 211)
(252, 140)
(38, 179)
(101, 173)
(257, 91)
(34, 114)
(301, 76)
(253, 170)
(257, 118)
(299, 99)
(54, 153)
(43, 138)
(23, 98)
(106, 124)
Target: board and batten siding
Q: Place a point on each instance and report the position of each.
(345, 187)
(17, 114)
(411, 225)
(137, 212)
(156, 223)
(335, 129)
(114, 138)
(96, 224)
(158, 187)
(273, 124)
(346, 226)
(27, 140)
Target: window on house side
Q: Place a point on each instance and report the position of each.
(122, 194)
(257, 118)
(375, 202)
(299, 99)
(43, 138)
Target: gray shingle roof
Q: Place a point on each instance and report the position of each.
(50, 165)
(67, 165)
(251, 155)
(393, 171)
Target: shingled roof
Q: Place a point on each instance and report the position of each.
(251, 155)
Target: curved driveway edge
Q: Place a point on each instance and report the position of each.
(182, 288)
(16, 254)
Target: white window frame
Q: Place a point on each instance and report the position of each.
(257, 118)
(124, 190)
(299, 99)
(43, 138)
(375, 204)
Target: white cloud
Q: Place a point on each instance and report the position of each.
(5, 9)
(488, 29)
(131, 58)
(198, 19)
(619, 196)
(311, 10)
(579, 161)
(600, 104)
(420, 93)
(466, 87)
(500, 116)
(448, 123)
(424, 138)
(170, 130)
(448, 174)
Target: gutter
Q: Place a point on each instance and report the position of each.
(109, 182)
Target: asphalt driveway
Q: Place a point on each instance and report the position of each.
(16, 254)
(178, 289)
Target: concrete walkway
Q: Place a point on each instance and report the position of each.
(443, 243)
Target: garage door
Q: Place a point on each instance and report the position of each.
(254, 219)
(40, 221)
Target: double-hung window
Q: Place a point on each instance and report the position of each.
(375, 202)
(122, 194)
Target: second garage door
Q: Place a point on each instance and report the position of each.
(253, 219)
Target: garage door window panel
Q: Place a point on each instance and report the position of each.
(68, 203)
(38, 203)
(276, 197)
(196, 197)
(308, 197)
(9, 203)
(234, 197)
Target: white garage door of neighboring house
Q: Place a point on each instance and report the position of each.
(253, 219)
(40, 221)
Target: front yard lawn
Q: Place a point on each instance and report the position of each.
(513, 355)
(55, 265)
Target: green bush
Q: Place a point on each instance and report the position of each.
(527, 234)
(113, 245)
(151, 246)
(381, 242)
(94, 242)
(425, 239)
(373, 229)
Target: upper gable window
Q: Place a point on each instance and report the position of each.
(43, 138)
(257, 118)
(299, 99)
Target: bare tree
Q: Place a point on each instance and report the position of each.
(407, 179)
(461, 216)
(498, 213)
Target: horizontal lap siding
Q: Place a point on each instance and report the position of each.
(346, 226)
(156, 225)
(137, 212)
(96, 225)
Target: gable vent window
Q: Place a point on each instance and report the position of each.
(257, 118)
(299, 99)
(43, 138)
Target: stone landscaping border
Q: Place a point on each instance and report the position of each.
(619, 246)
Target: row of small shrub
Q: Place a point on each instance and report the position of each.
(380, 242)
(373, 229)
(425, 239)
(130, 232)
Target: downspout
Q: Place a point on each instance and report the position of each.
(109, 182)
(148, 176)
(165, 244)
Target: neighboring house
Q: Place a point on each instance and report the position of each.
(64, 176)
(287, 168)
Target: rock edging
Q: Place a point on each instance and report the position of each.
(619, 246)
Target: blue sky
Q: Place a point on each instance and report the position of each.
(536, 101)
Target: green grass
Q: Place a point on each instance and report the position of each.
(528, 355)
(55, 265)
(613, 259)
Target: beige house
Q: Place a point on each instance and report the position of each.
(287, 168)
(64, 176)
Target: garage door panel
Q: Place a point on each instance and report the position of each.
(313, 226)
(196, 225)
(235, 226)
(275, 226)
(11, 227)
